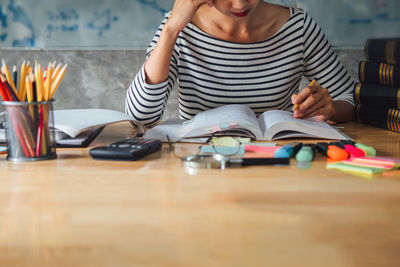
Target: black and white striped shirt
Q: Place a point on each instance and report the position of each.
(211, 72)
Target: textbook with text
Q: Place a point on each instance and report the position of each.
(240, 120)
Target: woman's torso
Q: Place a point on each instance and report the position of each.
(262, 75)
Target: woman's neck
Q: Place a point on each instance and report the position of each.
(263, 22)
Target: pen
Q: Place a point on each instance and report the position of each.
(296, 106)
(257, 161)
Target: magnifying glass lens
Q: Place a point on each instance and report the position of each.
(214, 161)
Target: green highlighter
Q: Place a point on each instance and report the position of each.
(306, 153)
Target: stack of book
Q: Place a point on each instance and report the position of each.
(377, 95)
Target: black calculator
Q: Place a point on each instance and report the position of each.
(127, 149)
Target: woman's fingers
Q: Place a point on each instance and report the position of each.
(184, 10)
(313, 101)
(304, 100)
(304, 94)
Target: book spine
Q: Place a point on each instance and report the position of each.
(388, 119)
(379, 73)
(377, 95)
(386, 50)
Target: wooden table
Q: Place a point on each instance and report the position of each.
(74, 211)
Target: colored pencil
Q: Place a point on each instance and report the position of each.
(57, 81)
(6, 72)
(39, 82)
(56, 71)
(8, 87)
(15, 76)
(3, 93)
(39, 133)
(21, 84)
(47, 83)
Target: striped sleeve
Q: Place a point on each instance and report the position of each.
(322, 64)
(147, 102)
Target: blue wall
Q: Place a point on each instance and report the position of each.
(130, 24)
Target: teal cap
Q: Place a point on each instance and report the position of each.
(305, 154)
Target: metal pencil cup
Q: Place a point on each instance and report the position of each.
(27, 130)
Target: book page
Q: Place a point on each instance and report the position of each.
(229, 118)
(170, 128)
(279, 124)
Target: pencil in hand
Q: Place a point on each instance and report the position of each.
(296, 106)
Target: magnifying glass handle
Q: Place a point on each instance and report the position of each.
(261, 161)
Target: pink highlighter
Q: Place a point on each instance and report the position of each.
(354, 151)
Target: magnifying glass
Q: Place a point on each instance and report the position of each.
(218, 161)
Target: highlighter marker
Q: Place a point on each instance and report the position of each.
(332, 151)
(350, 148)
(322, 148)
(369, 150)
(287, 151)
(338, 144)
(306, 153)
(354, 151)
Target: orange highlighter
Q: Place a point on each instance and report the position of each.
(333, 152)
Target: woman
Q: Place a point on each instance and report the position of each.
(240, 52)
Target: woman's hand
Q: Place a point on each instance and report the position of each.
(183, 11)
(157, 66)
(314, 101)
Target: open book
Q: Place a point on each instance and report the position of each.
(76, 121)
(240, 120)
(81, 126)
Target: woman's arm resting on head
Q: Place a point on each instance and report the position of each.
(158, 63)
